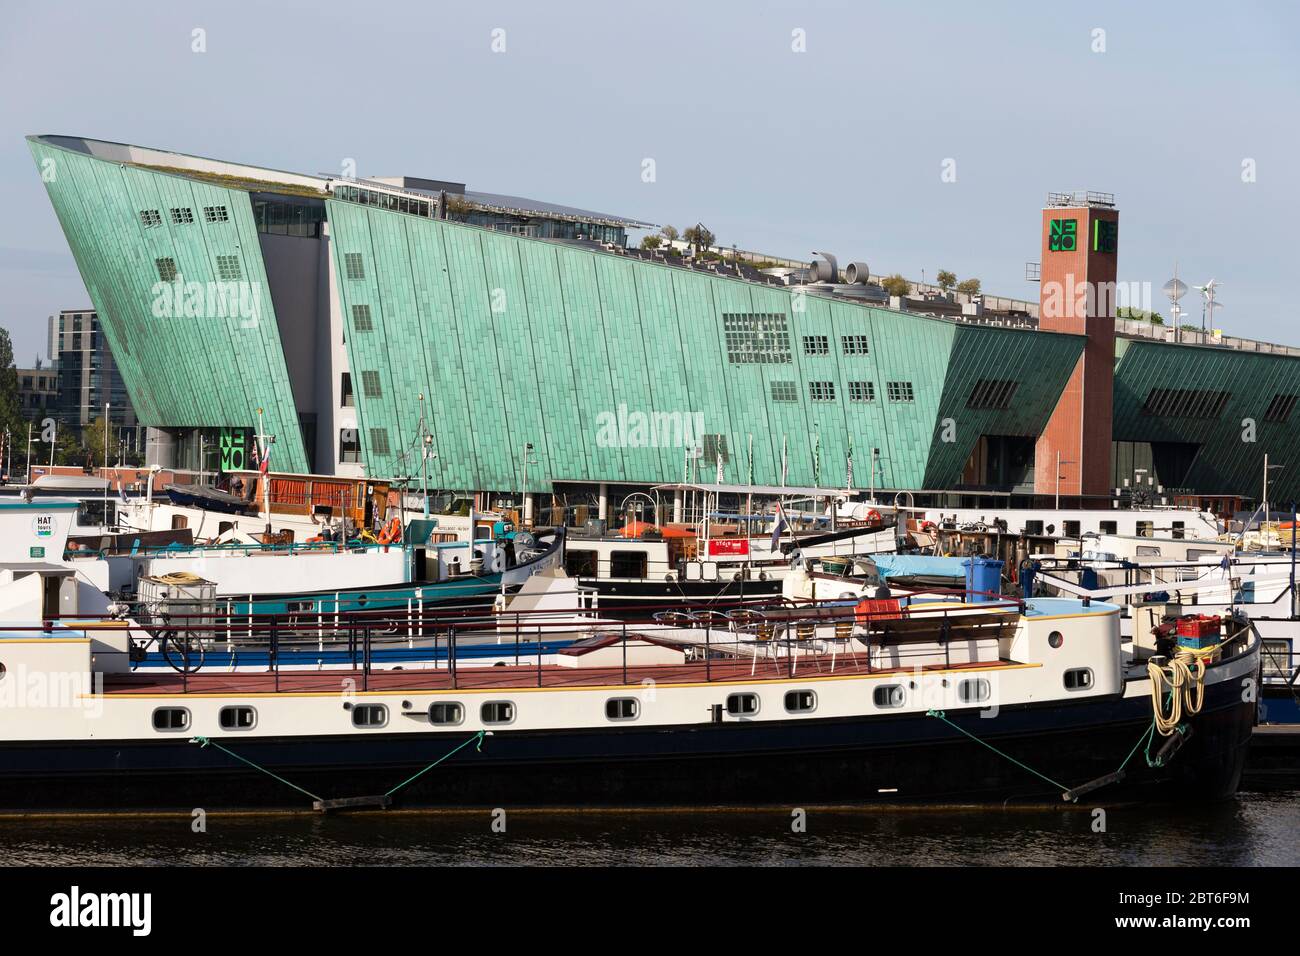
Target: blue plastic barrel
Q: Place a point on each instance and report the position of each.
(983, 579)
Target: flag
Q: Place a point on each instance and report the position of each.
(719, 477)
(817, 460)
(778, 527)
(266, 459)
(783, 468)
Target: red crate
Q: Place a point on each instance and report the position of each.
(1200, 627)
(878, 609)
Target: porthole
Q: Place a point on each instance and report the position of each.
(974, 691)
(446, 712)
(237, 718)
(497, 712)
(369, 715)
(889, 695)
(3, 670)
(171, 719)
(1056, 639)
(622, 708)
(800, 701)
(742, 705)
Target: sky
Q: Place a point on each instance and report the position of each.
(784, 127)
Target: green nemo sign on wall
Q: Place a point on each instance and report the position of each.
(234, 449)
(1105, 236)
(1063, 235)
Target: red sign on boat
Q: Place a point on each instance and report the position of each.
(732, 547)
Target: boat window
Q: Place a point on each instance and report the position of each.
(974, 691)
(580, 564)
(237, 718)
(627, 564)
(1055, 639)
(1033, 527)
(1146, 529)
(179, 522)
(497, 712)
(889, 695)
(1179, 529)
(1196, 554)
(1276, 655)
(369, 715)
(446, 712)
(171, 718)
(1148, 551)
(800, 701)
(1078, 678)
(1108, 527)
(1071, 529)
(622, 708)
(742, 705)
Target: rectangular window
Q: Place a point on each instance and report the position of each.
(821, 391)
(237, 718)
(784, 392)
(349, 445)
(1108, 527)
(497, 712)
(622, 708)
(1185, 403)
(150, 218)
(1078, 678)
(215, 214)
(369, 715)
(1280, 408)
(370, 385)
(816, 345)
(974, 691)
(889, 695)
(854, 344)
(1275, 654)
(228, 268)
(756, 338)
(379, 441)
(446, 712)
(182, 215)
(347, 399)
(580, 563)
(361, 318)
(166, 268)
(862, 391)
(800, 701)
(899, 391)
(627, 564)
(1070, 529)
(171, 719)
(353, 265)
(994, 394)
(715, 447)
(742, 705)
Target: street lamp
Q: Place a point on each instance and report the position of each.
(524, 516)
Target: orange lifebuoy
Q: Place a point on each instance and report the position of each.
(927, 526)
(392, 532)
(873, 517)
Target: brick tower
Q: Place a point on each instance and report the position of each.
(1077, 294)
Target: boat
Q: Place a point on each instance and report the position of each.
(954, 698)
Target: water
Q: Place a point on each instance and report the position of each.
(1253, 830)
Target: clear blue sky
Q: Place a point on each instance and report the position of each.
(838, 148)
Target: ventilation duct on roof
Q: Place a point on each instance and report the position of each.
(857, 273)
(825, 269)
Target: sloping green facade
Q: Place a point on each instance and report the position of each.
(205, 370)
(513, 340)
(1233, 438)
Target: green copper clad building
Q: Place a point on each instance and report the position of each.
(362, 316)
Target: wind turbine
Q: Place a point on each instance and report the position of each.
(1208, 306)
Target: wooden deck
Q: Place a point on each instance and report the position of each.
(510, 677)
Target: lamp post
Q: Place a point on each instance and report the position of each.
(523, 488)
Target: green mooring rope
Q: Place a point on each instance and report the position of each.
(940, 714)
(477, 737)
(205, 742)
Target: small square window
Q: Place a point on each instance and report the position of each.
(854, 344)
(354, 266)
(361, 318)
(215, 214)
(784, 392)
(228, 268)
(862, 391)
(379, 441)
(182, 215)
(150, 218)
(899, 391)
(166, 268)
(821, 391)
(370, 384)
(816, 345)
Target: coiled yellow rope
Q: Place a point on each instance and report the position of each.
(1179, 688)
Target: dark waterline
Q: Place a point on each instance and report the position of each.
(1252, 830)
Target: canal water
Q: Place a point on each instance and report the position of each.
(1253, 829)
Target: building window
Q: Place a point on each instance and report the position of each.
(370, 384)
(1078, 678)
(353, 265)
(622, 708)
(756, 338)
(215, 214)
(446, 712)
(862, 391)
(237, 718)
(854, 344)
(369, 715)
(361, 318)
(150, 218)
(715, 447)
(1108, 527)
(800, 701)
(742, 705)
(816, 345)
(171, 719)
(379, 441)
(974, 691)
(1280, 408)
(347, 399)
(349, 445)
(497, 712)
(784, 392)
(899, 391)
(1070, 529)
(1276, 656)
(1185, 403)
(166, 268)
(228, 268)
(821, 391)
(993, 394)
(182, 215)
(889, 696)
